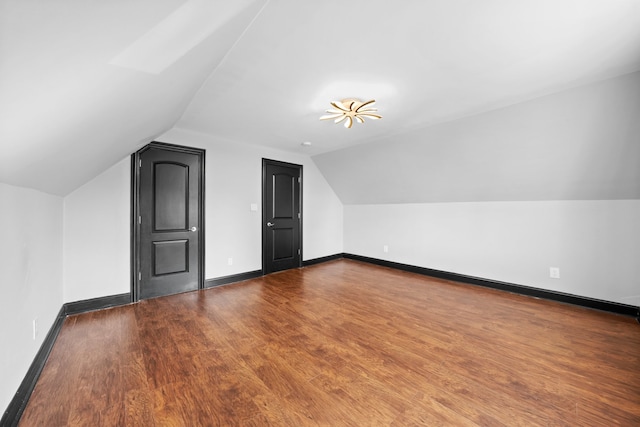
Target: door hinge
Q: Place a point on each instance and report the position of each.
(140, 163)
(299, 179)
(139, 219)
(298, 252)
(298, 215)
(139, 276)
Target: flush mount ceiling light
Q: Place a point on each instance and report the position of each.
(348, 109)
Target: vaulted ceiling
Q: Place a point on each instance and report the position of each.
(83, 83)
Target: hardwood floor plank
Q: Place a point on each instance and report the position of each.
(342, 343)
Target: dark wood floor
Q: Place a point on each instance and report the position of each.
(342, 344)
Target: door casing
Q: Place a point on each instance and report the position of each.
(136, 267)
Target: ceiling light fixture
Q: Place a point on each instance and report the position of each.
(348, 109)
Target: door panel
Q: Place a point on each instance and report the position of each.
(283, 195)
(171, 196)
(170, 257)
(283, 244)
(282, 216)
(169, 229)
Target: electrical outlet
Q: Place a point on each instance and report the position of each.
(35, 328)
(385, 248)
(554, 272)
(229, 261)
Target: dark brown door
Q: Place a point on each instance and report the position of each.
(170, 219)
(281, 215)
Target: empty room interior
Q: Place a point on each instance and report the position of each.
(278, 212)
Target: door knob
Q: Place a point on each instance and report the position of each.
(270, 224)
(193, 229)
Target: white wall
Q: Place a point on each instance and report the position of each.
(30, 279)
(596, 244)
(234, 182)
(97, 237)
(97, 216)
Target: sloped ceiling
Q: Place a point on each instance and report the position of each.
(578, 144)
(84, 83)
